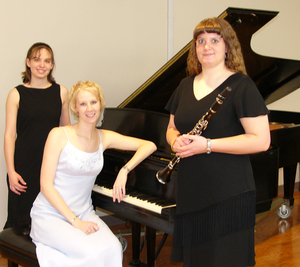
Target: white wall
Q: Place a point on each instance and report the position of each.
(120, 44)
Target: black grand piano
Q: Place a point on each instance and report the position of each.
(143, 115)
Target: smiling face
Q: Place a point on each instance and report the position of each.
(87, 106)
(40, 64)
(210, 49)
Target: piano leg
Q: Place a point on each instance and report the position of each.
(289, 176)
(151, 240)
(136, 237)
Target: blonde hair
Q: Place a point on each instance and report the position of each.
(86, 86)
(234, 60)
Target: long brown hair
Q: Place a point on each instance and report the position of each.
(33, 52)
(234, 60)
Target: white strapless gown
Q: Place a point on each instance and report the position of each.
(58, 243)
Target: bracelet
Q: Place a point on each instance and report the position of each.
(208, 148)
(173, 144)
(74, 219)
(127, 169)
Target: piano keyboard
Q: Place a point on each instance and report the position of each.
(152, 204)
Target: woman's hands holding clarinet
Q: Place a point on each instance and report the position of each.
(188, 145)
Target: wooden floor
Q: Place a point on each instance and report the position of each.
(277, 240)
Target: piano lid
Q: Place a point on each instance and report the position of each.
(274, 77)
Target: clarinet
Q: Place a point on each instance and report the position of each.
(164, 176)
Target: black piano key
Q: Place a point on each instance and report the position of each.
(152, 199)
(160, 202)
(133, 193)
(142, 197)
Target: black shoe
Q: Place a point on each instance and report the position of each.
(22, 229)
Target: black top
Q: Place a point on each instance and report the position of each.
(207, 179)
(39, 112)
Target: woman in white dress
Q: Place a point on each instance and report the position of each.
(65, 228)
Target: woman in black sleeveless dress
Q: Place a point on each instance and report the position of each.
(215, 214)
(32, 110)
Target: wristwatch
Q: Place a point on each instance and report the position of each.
(208, 149)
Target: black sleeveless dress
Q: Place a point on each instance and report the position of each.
(39, 112)
(215, 213)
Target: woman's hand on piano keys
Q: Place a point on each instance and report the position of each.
(119, 188)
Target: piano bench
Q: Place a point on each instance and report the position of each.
(17, 249)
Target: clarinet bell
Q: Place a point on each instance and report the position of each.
(164, 176)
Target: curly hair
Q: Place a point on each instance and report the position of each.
(33, 52)
(86, 86)
(234, 60)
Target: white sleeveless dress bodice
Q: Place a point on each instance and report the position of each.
(58, 242)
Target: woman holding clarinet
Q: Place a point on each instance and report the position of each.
(215, 215)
